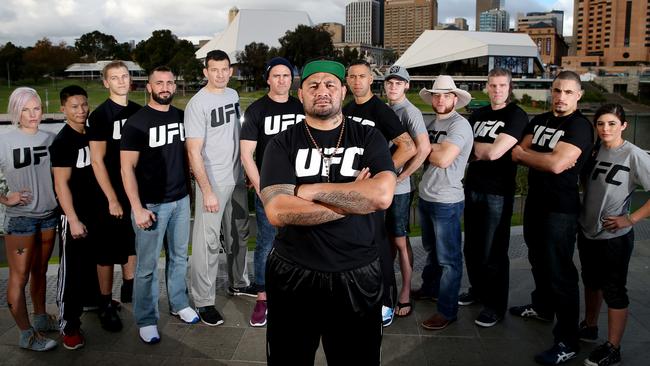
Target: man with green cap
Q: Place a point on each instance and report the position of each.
(321, 181)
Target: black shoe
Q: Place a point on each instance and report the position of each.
(587, 333)
(126, 291)
(466, 298)
(559, 353)
(529, 312)
(604, 355)
(109, 319)
(210, 315)
(422, 294)
(250, 290)
(487, 318)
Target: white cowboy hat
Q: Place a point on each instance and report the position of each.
(445, 84)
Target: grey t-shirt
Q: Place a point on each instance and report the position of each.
(445, 185)
(25, 163)
(215, 118)
(413, 122)
(612, 179)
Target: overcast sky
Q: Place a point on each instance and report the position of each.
(23, 22)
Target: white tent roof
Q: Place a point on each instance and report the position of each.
(99, 66)
(439, 46)
(251, 25)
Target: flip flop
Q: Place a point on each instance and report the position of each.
(400, 306)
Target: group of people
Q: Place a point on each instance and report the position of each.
(333, 193)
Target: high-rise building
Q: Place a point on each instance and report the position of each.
(550, 43)
(494, 20)
(405, 20)
(461, 23)
(485, 5)
(336, 31)
(555, 17)
(363, 22)
(610, 34)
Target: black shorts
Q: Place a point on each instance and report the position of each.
(604, 266)
(113, 238)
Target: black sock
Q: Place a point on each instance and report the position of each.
(105, 300)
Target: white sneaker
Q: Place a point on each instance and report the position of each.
(188, 315)
(387, 315)
(149, 334)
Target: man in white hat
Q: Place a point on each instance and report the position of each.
(442, 199)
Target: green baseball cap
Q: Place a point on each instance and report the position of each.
(332, 67)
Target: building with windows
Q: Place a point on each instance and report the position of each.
(550, 43)
(405, 20)
(555, 17)
(610, 36)
(485, 5)
(363, 22)
(495, 20)
(336, 31)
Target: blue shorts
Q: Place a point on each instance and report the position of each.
(398, 215)
(23, 225)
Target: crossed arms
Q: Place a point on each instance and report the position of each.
(563, 157)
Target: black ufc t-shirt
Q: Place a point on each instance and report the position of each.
(266, 118)
(291, 158)
(70, 150)
(558, 192)
(160, 138)
(497, 176)
(375, 113)
(105, 124)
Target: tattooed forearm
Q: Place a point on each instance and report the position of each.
(348, 201)
(274, 190)
(404, 139)
(309, 218)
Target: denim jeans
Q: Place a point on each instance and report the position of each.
(442, 240)
(487, 238)
(263, 243)
(172, 221)
(551, 237)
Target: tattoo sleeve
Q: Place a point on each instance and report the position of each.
(271, 191)
(348, 201)
(309, 218)
(304, 213)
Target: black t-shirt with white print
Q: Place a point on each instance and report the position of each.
(105, 124)
(161, 171)
(265, 118)
(375, 113)
(496, 176)
(291, 158)
(558, 192)
(70, 150)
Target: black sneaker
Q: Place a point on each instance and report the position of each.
(250, 290)
(210, 315)
(466, 298)
(529, 312)
(604, 355)
(487, 318)
(109, 319)
(587, 333)
(559, 353)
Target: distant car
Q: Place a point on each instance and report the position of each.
(476, 104)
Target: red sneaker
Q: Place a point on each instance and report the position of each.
(73, 339)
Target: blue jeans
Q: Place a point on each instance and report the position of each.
(263, 243)
(172, 221)
(487, 238)
(442, 240)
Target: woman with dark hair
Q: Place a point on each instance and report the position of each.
(30, 218)
(606, 238)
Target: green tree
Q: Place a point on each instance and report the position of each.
(95, 46)
(185, 64)
(157, 50)
(305, 43)
(11, 62)
(46, 59)
(348, 55)
(390, 56)
(251, 62)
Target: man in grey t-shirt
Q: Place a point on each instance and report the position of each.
(396, 83)
(442, 199)
(212, 123)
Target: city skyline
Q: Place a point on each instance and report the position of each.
(25, 22)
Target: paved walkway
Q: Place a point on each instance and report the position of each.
(512, 342)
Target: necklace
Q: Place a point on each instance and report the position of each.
(327, 159)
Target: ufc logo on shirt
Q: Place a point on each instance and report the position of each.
(434, 136)
(224, 114)
(276, 124)
(363, 121)
(310, 163)
(488, 128)
(610, 170)
(164, 135)
(117, 128)
(24, 157)
(83, 157)
(547, 137)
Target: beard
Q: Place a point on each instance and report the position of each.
(323, 113)
(444, 110)
(162, 100)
